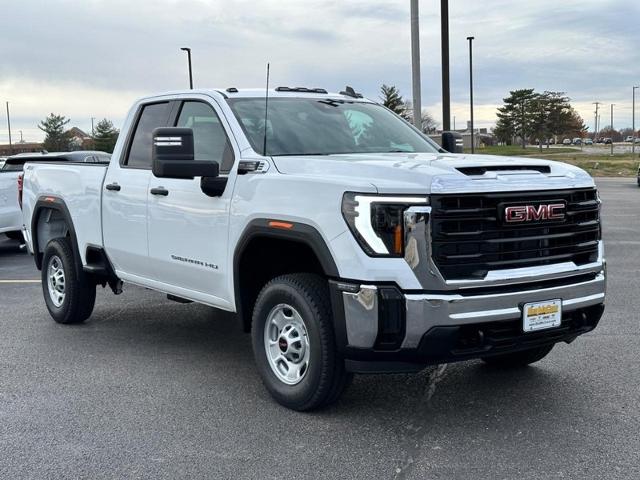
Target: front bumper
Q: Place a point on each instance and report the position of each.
(380, 328)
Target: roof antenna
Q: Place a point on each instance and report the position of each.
(266, 115)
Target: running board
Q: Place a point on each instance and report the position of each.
(177, 299)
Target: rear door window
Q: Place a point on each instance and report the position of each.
(153, 116)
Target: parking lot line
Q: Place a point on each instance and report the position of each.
(19, 281)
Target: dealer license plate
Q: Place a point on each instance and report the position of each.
(541, 315)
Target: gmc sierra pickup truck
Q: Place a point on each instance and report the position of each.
(346, 241)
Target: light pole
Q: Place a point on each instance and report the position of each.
(633, 123)
(93, 131)
(597, 104)
(446, 92)
(188, 50)
(21, 140)
(473, 144)
(612, 130)
(415, 64)
(9, 126)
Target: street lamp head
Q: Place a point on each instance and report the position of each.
(471, 38)
(185, 49)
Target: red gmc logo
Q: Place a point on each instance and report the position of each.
(534, 213)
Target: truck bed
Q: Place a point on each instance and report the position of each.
(79, 185)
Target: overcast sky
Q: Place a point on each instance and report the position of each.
(92, 58)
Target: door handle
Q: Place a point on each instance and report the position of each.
(159, 191)
(113, 187)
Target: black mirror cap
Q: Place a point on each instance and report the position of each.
(452, 142)
(173, 155)
(171, 143)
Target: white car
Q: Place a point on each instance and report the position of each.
(345, 239)
(10, 213)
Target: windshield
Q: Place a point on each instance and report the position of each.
(318, 126)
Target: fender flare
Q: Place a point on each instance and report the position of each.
(299, 232)
(50, 202)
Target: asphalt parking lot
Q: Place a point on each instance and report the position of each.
(148, 388)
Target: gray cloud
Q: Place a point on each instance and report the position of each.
(92, 58)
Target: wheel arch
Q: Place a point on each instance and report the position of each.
(302, 244)
(49, 206)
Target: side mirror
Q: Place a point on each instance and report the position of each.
(172, 155)
(452, 142)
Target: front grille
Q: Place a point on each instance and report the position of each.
(468, 239)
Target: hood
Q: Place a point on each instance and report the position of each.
(416, 173)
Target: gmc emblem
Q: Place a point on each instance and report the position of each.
(553, 212)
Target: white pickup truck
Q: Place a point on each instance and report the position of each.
(345, 240)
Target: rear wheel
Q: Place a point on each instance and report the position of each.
(69, 297)
(294, 343)
(519, 359)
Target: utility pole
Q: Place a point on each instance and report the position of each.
(473, 143)
(633, 116)
(188, 50)
(454, 122)
(93, 131)
(446, 91)
(21, 140)
(595, 140)
(415, 64)
(612, 130)
(9, 126)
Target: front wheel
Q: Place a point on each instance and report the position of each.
(69, 297)
(294, 343)
(519, 359)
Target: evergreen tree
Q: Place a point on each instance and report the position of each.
(56, 139)
(105, 136)
(392, 99)
(517, 117)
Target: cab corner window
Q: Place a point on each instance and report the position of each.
(210, 141)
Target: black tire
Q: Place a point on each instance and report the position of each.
(14, 236)
(325, 377)
(519, 359)
(79, 290)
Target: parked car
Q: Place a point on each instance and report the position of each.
(577, 141)
(359, 250)
(566, 141)
(2, 160)
(11, 176)
(588, 141)
(607, 141)
(629, 138)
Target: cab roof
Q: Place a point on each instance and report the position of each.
(276, 92)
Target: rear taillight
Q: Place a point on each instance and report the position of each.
(20, 184)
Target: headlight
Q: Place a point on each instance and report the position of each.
(377, 221)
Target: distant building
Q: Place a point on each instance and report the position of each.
(79, 139)
(24, 147)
